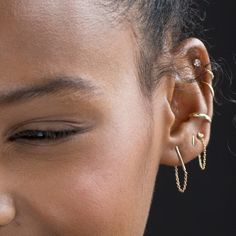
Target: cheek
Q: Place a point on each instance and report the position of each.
(101, 196)
(98, 193)
(105, 186)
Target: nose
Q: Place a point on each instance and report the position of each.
(7, 209)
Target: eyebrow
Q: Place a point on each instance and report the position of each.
(54, 85)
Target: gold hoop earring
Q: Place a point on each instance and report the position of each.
(183, 188)
(197, 63)
(202, 159)
(210, 73)
(201, 116)
(210, 87)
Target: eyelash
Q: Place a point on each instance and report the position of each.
(50, 135)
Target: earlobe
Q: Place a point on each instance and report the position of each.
(191, 104)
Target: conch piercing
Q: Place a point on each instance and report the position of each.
(201, 116)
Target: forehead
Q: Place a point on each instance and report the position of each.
(60, 34)
(48, 25)
(59, 13)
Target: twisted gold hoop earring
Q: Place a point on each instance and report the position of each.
(183, 188)
(201, 116)
(202, 159)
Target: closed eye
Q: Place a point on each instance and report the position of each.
(43, 135)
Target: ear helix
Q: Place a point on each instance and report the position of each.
(200, 136)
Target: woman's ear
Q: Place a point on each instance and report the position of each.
(188, 91)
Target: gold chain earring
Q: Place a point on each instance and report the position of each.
(181, 188)
(202, 158)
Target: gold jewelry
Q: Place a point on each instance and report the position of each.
(210, 87)
(197, 62)
(181, 189)
(210, 73)
(201, 116)
(202, 159)
(193, 140)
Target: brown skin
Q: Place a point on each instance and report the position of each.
(99, 182)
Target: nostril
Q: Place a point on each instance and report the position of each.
(7, 209)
